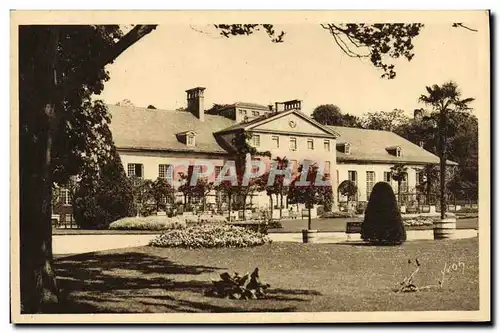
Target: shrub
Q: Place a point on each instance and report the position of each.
(383, 223)
(209, 236)
(109, 197)
(148, 223)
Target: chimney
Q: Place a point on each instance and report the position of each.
(195, 102)
(293, 104)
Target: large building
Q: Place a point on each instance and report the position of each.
(149, 141)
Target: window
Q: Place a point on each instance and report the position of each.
(347, 148)
(327, 168)
(276, 141)
(256, 140)
(65, 197)
(353, 176)
(255, 113)
(135, 170)
(294, 165)
(243, 112)
(387, 177)
(399, 152)
(293, 144)
(218, 169)
(370, 181)
(165, 172)
(190, 139)
(310, 144)
(326, 145)
(418, 177)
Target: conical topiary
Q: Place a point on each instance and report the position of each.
(383, 223)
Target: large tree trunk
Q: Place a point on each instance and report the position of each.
(442, 162)
(38, 121)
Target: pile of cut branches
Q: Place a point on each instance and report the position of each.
(245, 287)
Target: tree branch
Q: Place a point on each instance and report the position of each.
(93, 66)
(461, 25)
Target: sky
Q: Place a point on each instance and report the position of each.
(308, 66)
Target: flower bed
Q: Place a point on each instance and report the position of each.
(418, 221)
(333, 215)
(210, 236)
(148, 223)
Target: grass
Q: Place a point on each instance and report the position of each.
(303, 277)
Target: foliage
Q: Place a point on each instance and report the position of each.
(148, 223)
(348, 188)
(210, 236)
(161, 192)
(239, 287)
(383, 223)
(329, 114)
(376, 41)
(310, 192)
(143, 196)
(399, 172)
(150, 106)
(445, 100)
(99, 202)
(384, 121)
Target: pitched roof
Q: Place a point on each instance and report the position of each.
(156, 129)
(272, 116)
(371, 145)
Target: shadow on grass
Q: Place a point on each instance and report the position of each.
(135, 282)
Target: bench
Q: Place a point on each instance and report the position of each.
(304, 213)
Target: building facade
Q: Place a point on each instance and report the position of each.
(160, 143)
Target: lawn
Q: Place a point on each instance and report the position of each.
(303, 277)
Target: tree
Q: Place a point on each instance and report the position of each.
(143, 196)
(384, 121)
(309, 192)
(431, 177)
(151, 107)
(378, 42)
(399, 172)
(329, 114)
(279, 188)
(99, 201)
(444, 100)
(60, 67)
(348, 188)
(125, 103)
(200, 191)
(383, 223)
(161, 192)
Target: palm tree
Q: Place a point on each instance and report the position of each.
(399, 173)
(444, 100)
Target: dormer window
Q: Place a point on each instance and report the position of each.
(188, 138)
(396, 151)
(344, 148)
